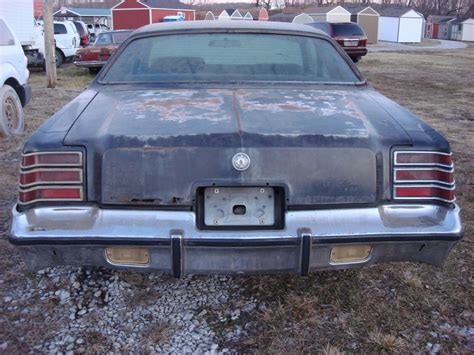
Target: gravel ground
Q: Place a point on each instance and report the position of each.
(398, 308)
(105, 310)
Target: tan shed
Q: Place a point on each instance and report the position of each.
(367, 18)
(333, 13)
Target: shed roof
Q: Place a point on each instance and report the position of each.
(84, 11)
(459, 20)
(394, 11)
(281, 17)
(438, 18)
(166, 4)
(447, 19)
(320, 9)
(355, 9)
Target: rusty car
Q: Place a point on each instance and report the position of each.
(96, 55)
(234, 147)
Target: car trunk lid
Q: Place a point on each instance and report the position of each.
(156, 147)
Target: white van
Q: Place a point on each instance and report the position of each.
(14, 91)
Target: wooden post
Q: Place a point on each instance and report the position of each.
(49, 46)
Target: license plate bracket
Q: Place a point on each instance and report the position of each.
(351, 42)
(240, 207)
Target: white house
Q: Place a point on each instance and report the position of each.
(401, 25)
(462, 29)
(332, 13)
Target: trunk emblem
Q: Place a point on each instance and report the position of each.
(241, 161)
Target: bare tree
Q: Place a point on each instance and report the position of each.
(49, 47)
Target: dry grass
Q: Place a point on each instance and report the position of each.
(393, 307)
(383, 308)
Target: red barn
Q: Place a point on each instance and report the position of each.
(132, 14)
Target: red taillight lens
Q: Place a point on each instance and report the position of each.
(51, 176)
(51, 159)
(423, 175)
(430, 192)
(363, 42)
(424, 158)
(51, 193)
(46, 176)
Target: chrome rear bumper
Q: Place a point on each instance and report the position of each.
(50, 236)
(90, 63)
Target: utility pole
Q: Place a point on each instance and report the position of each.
(49, 46)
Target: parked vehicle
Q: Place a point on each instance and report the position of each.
(67, 40)
(14, 90)
(95, 29)
(350, 36)
(28, 32)
(94, 57)
(234, 147)
(81, 28)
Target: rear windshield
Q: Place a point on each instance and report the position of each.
(222, 57)
(347, 29)
(109, 38)
(59, 29)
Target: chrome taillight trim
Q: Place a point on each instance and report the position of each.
(59, 152)
(450, 188)
(79, 170)
(438, 184)
(395, 163)
(53, 187)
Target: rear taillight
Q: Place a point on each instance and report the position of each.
(423, 175)
(363, 42)
(105, 54)
(51, 176)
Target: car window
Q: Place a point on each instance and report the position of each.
(230, 57)
(347, 29)
(103, 39)
(119, 37)
(6, 37)
(79, 28)
(59, 29)
(322, 26)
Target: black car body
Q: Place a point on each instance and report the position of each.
(234, 147)
(349, 35)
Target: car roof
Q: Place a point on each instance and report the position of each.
(227, 25)
(115, 31)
